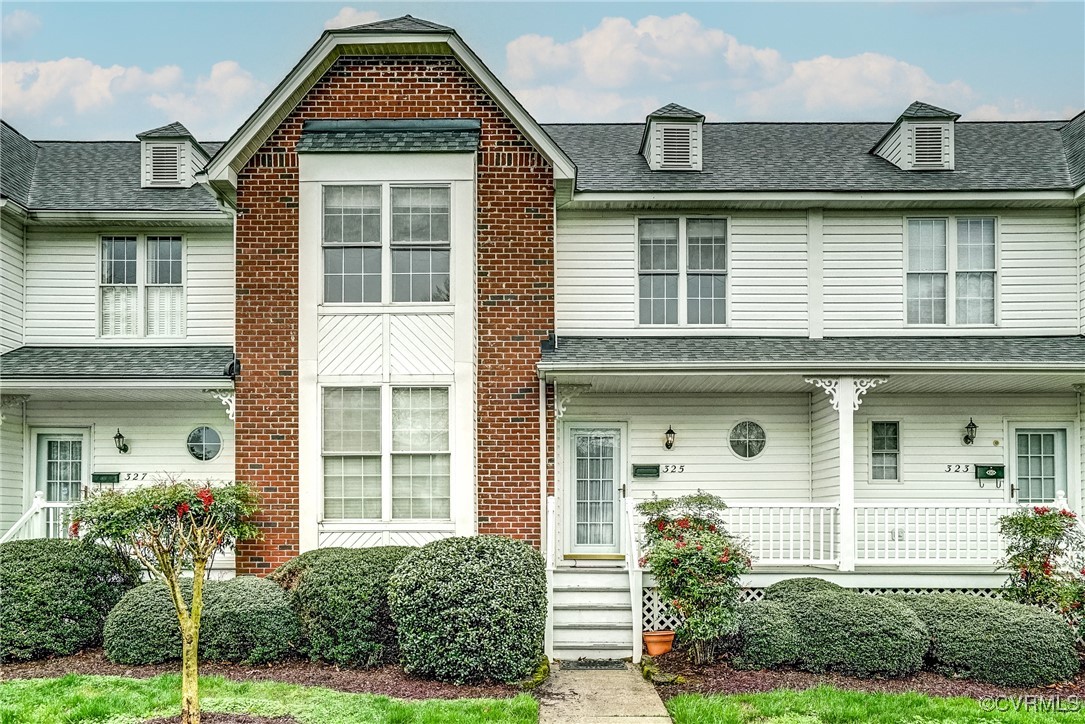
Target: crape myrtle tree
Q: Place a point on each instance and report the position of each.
(174, 529)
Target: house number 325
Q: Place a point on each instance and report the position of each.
(674, 469)
(958, 468)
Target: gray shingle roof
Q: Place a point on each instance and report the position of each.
(18, 157)
(172, 130)
(404, 24)
(673, 110)
(918, 109)
(818, 157)
(1073, 141)
(382, 136)
(602, 352)
(117, 362)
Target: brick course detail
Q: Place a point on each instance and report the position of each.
(515, 294)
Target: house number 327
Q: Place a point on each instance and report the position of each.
(674, 469)
(958, 468)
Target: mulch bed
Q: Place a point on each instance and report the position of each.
(386, 680)
(210, 717)
(720, 678)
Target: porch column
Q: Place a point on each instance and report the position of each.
(845, 394)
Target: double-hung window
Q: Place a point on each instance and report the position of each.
(885, 451)
(682, 271)
(365, 477)
(411, 222)
(952, 275)
(141, 289)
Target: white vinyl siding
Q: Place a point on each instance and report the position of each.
(597, 275)
(824, 450)
(12, 498)
(1081, 266)
(12, 283)
(865, 273)
(63, 289)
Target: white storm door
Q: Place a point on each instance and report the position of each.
(61, 475)
(595, 510)
(1039, 464)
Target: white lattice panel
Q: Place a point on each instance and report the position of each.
(350, 539)
(350, 345)
(421, 344)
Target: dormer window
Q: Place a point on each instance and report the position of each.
(164, 164)
(672, 139)
(920, 140)
(170, 157)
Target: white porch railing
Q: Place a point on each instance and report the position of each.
(636, 577)
(784, 533)
(954, 533)
(42, 519)
(551, 534)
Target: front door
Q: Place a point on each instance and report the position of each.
(1039, 465)
(595, 508)
(60, 475)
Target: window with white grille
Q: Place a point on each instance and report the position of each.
(928, 150)
(682, 271)
(953, 258)
(166, 164)
(885, 451)
(141, 290)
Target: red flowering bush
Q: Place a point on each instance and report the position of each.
(697, 567)
(1045, 555)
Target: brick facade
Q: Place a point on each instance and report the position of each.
(515, 295)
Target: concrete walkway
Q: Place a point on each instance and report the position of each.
(600, 697)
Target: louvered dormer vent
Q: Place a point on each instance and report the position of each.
(927, 147)
(677, 148)
(920, 140)
(165, 164)
(672, 139)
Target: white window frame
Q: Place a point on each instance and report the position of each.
(141, 284)
(683, 271)
(951, 271)
(386, 453)
(386, 245)
(899, 480)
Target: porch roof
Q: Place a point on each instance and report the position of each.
(116, 362)
(576, 354)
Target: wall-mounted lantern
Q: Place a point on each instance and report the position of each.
(970, 432)
(118, 439)
(668, 437)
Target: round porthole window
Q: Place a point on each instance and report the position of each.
(204, 443)
(747, 439)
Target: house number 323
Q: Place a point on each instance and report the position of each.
(958, 468)
(674, 469)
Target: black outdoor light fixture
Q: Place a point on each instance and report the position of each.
(970, 432)
(668, 437)
(118, 439)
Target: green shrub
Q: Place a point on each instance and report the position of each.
(55, 595)
(245, 619)
(470, 609)
(766, 637)
(995, 641)
(783, 591)
(856, 634)
(341, 600)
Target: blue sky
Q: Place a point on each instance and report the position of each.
(95, 70)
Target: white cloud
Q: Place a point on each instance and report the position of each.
(1016, 110)
(34, 87)
(19, 25)
(214, 103)
(556, 103)
(349, 16)
(869, 85)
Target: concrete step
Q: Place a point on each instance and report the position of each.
(593, 650)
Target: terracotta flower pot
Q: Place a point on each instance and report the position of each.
(658, 642)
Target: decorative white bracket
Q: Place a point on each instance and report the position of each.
(564, 394)
(11, 401)
(831, 385)
(226, 397)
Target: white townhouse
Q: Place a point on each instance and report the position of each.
(868, 338)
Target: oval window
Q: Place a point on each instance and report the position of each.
(204, 443)
(747, 439)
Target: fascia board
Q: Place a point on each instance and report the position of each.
(549, 369)
(827, 198)
(202, 218)
(129, 382)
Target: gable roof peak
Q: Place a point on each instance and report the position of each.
(404, 24)
(675, 111)
(172, 130)
(919, 109)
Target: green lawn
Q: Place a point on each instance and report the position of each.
(826, 704)
(119, 700)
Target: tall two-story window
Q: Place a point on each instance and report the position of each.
(367, 480)
(952, 271)
(682, 271)
(411, 222)
(142, 286)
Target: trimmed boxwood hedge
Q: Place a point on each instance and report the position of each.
(784, 591)
(852, 633)
(55, 595)
(470, 609)
(766, 637)
(993, 640)
(245, 620)
(341, 601)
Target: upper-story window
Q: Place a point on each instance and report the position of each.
(951, 258)
(682, 271)
(142, 291)
(415, 221)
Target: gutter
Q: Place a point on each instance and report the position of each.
(547, 370)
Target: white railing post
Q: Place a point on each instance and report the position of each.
(40, 521)
(636, 579)
(551, 526)
(27, 522)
